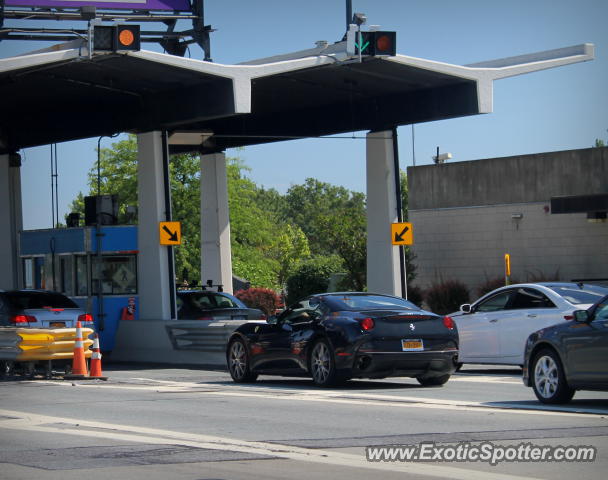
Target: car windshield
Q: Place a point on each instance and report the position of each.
(28, 300)
(369, 302)
(585, 294)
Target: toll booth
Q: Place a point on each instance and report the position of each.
(97, 268)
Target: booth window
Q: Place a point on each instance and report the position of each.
(66, 268)
(81, 276)
(118, 274)
(28, 272)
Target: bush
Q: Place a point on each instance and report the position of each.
(446, 296)
(492, 284)
(415, 295)
(262, 298)
(312, 277)
(540, 276)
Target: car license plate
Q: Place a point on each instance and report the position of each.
(57, 324)
(411, 345)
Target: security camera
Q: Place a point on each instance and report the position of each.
(359, 18)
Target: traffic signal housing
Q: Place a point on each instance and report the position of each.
(376, 43)
(116, 38)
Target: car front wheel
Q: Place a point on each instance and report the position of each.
(548, 379)
(238, 362)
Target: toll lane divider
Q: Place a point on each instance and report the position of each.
(202, 336)
(193, 342)
(33, 344)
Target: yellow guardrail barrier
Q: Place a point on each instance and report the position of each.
(33, 344)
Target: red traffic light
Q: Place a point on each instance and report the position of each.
(127, 38)
(385, 43)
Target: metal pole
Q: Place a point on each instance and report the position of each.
(349, 13)
(399, 211)
(413, 146)
(99, 245)
(167, 185)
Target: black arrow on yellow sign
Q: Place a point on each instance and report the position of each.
(172, 235)
(399, 236)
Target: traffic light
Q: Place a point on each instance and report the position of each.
(127, 37)
(376, 43)
(116, 38)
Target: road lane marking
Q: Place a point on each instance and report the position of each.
(351, 398)
(24, 421)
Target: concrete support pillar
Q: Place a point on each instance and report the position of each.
(11, 219)
(383, 272)
(153, 260)
(216, 255)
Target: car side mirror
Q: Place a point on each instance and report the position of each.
(581, 316)
(465, 308)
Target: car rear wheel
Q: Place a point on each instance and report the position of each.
(238, 363)
(323, 364)
(433, 381)
(548, 379)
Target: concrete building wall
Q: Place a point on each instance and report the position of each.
(465, 218)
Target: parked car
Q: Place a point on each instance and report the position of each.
(494, 329)
(569, 356)
(41, 309)
(333, 337)
(209, 305)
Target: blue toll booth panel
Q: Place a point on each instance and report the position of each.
(95, 268)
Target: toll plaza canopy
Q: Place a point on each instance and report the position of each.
(68, 93)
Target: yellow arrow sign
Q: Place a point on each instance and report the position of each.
(402, 233)
(170, 233)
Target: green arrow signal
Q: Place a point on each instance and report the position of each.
(361, 48)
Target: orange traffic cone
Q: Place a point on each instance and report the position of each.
(79, 363)
(96, 360)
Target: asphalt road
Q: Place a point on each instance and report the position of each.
(168, 423)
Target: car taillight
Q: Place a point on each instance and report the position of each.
(85, 318)
(20, 319)
(366, 324)
(206, 317)
(568, 317)
(263, 316)
(448, 322)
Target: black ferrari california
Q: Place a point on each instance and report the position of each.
(333, 337)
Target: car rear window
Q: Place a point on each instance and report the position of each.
(209, 301)
(371, 302)
(28, 300)
(585, 294)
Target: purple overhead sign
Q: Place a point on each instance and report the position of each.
(180, 5)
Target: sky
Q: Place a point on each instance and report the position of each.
(558, 109)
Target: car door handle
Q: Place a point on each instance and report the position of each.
(494, 320)
(532, 315)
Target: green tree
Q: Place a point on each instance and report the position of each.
(291, 249)
(333, 218)
(309, 204)
(312, 276)
(253, 230)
